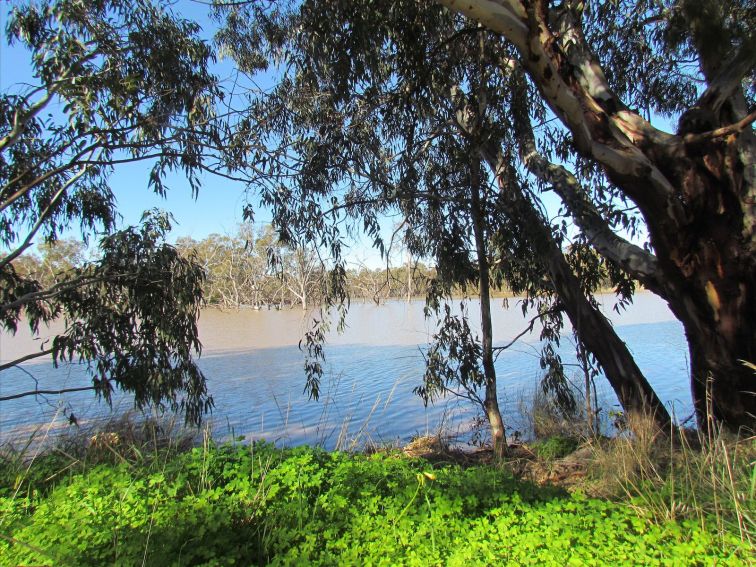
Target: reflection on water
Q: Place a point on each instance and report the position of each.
(255, 373)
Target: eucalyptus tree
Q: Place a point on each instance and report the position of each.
(113, 82)
(53, 258)
(394, 107)
(302, 272)
(224, 261)
(605, 68)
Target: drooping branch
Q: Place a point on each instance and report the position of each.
(61, 287)
(21, 118)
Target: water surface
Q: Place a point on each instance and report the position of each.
(255, 374)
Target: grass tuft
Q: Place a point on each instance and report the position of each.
(687, 475)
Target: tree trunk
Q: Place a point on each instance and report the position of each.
(696, 189)
(596, 332)
(724, 389)
(409, 276)
(709, 263)
(303, 296)
(633, 391)
(491, 402)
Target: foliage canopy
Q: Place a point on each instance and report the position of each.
(382, 106)
(114, 82)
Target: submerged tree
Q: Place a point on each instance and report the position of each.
(114, 82)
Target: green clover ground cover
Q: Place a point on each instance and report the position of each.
(242, 505)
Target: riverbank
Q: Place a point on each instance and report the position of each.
(161, 501)
(456, 296)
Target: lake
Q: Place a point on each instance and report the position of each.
(255, 374)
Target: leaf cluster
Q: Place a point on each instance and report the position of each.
(113, 82)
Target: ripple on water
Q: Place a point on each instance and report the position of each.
(257, 378)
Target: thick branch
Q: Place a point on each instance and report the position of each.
(506, 17)
(636, 261)
(633, 259)
(573, 84)
(729, 79)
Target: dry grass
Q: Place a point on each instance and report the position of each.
(127, 438)
(686, 474)
(544, 417)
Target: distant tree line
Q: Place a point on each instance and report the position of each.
(252, 269)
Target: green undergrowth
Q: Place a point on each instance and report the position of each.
(256, 504)
(555, 447)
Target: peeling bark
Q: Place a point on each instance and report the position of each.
(698, 200)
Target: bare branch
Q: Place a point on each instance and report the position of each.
(31, 356)
(46, 392)
(528, 329)
(723, 132)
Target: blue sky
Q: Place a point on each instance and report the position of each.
(219, 205)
